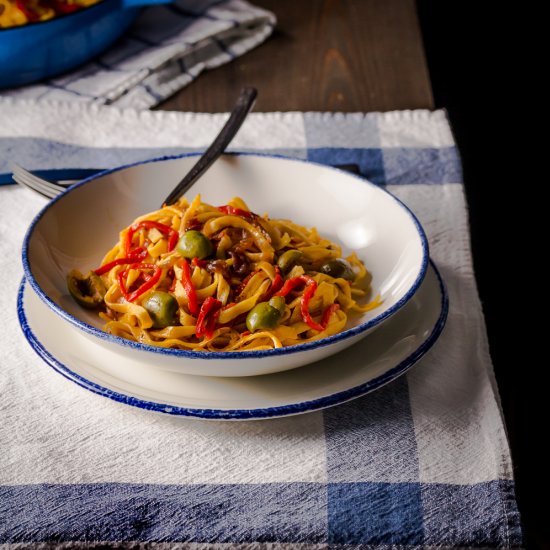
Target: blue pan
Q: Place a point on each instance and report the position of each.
(39, 50)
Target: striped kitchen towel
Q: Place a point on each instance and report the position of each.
(421, 462)
(166, 49)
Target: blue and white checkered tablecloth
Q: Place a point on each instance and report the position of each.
(422, 462)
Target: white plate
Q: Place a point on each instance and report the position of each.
(376, 360)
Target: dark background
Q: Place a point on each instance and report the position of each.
(480, 70)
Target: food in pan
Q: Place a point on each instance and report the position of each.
(14, 13)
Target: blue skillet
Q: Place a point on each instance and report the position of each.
(35, 51)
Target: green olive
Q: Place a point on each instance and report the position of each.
(162, 308)
(338, 268)
(278, 302)
(262, 316)
(193, 244)
(87, 291)
(288, 259)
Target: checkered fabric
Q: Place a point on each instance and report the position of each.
(422, 462)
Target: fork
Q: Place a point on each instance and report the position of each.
(244, 104)
(42, 186)
(51, 189)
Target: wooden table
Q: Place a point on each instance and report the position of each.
(325, 55)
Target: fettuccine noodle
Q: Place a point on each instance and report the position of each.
(199, 277)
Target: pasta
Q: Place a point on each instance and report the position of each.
(14, 13)
(198, 277)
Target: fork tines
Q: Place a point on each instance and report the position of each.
(40, 185)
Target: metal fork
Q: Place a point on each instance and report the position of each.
(51, 189)
(42, 186)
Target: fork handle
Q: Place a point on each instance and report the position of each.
(244, 104)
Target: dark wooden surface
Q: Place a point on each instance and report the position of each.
(325, 55)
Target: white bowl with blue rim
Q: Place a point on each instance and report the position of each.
(75, 230)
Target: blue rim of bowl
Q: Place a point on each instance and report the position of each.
(211, 355)
(241, 414)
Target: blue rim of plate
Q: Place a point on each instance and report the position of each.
(241, 414)
(243, 355)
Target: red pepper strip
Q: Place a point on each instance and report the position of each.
(121, 276)
(137, 254)
(276, 284)
(128, 240)
(192, 300)
(328, 313)
(31, 14)
(149, 283)
(311, 287)
(205, 325)
(304, 305)
(148, 224)
(291, 284)
(210, 325)
(236, 211)
(198, 262)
